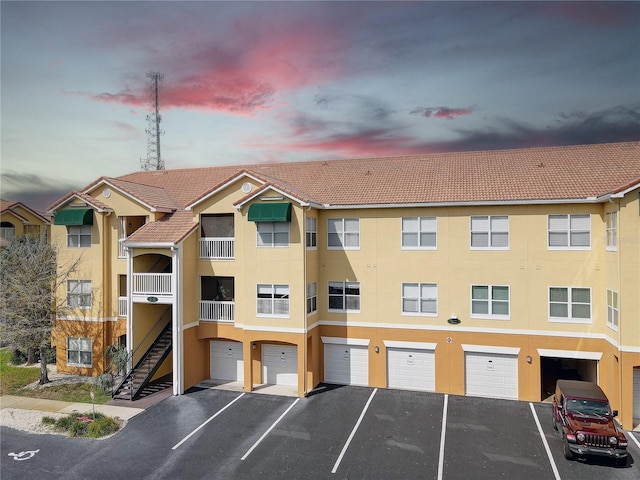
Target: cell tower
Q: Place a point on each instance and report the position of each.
(154, 160)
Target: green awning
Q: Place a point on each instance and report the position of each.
(75, 216)
(270, 212)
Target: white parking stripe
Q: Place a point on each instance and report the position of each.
(634, 438)
(207, 421)
(270, 428)
(442, 436)
(353, 432)
(544, 442)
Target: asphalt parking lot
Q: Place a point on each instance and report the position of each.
(337, 432)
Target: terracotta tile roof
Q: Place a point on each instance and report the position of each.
(531, 174)
(154, 196)
(170, 229)
(8, 206)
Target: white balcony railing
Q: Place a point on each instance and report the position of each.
(216, 311)
(221, 248)
(152, 284)
(122, 306)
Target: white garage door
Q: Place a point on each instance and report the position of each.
(226, 361)
(636, 392)
(346, 364)
(411, 369)
(491, 375)
(280, 364)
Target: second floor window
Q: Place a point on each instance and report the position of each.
(490, 232)
(612, 230)
(312, 297)
(79, 236)
(419, 232)
(344, 296)
(490, 301)
(273, 234)
(612, 309)
(273, 300)
(419, 298)
(570, 304)
(569, 231)
(312, 232)
(79, 293)
(343, 233)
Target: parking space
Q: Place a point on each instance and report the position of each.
(336, 432)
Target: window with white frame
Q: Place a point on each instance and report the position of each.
(613, 312)
(611, 229)
(569, 231)
(312, 232)
(273, 234)
(344, 296)
(79, 236)
(490, 232)
(79, 351)
(343, 233)
(570, 304)
(312, 297)
(7, 230)
(490, 301)
(419, 233)
(419, 298)
(79, 293)
(273, 301)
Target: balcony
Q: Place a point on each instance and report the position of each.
(155, 284)
(217, 248)
(122, 306)
(214, 311)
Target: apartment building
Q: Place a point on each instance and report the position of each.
(17, 219)
(489, 273)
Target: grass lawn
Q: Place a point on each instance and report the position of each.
(14, 379)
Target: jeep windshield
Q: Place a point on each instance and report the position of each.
(588, 407)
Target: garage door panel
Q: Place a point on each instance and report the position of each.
(636, 392)
(280, 364)
(411, 369)
(346, 364)
(491, 375)
(226, 361)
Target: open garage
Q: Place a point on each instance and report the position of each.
(567, 365)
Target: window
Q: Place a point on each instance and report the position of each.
(79, 293)
(611, 230)
(570, 231)
(613, 312)
(273, 300)
(419, 232)
(420, 298)
(490, 301)
(570, 304)
(312, 232)
(344, 296)
(79, 236)
(343, 233)
(273, 234)
(79, 351)
(312, 297)
(490, 232)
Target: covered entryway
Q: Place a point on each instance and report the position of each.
(226, 361)
(411, 365)
(491, 371)
(566, 365)
(636, 396)
(346, 362)
(280, 364)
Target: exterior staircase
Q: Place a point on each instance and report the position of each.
(134, 383)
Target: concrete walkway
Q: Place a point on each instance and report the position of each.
(56, 406)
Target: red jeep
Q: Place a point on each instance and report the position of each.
(582, 411)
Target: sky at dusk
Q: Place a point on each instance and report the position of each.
(257, 82)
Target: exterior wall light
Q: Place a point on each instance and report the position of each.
(454, 320)
(529, 359)
(376, 349)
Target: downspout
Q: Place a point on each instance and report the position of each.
(129, 257)
(176, 321)
(106, 285)
(616, 200)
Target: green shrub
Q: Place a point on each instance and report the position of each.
(18, 357)
(64, 423)
(102, 427)
(48, 420)
(78, 428)
(84, 425)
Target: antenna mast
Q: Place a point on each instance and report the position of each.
(154, 160)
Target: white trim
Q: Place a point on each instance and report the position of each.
(126, 195)
(545, 352)
(272, 329)
(364, 342)
(85, 319)
(263, 189)
(190, 325)
(490, 349)
(411, 345)
(231, 181)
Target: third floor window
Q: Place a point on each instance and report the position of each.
(569, 231)
(419, 233)
(490, 232)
